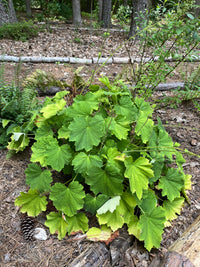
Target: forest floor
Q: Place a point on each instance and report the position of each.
(181, 123)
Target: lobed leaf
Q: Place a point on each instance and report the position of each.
(119, 127)
(31, 202)
(56, 224)
(83, 163)
(37, 178)
(144, 127)
(68, 199)
(105, 181)
(126, 108)
(53, 108)
(171, 184)
(151, 225)
(138, 173)
(87, 131)
(76, 223)
(172, 208)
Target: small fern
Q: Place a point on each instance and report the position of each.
(15, 109)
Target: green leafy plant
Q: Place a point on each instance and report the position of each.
(123, 14)
(77, 40)
(16, 106)
(19, 31)
(114, 162)
(42, 81)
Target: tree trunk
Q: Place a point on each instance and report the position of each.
(76, 7)
(106, 14)
(7, 12)
(197, 10)
(100, 3)
(28, 8)
(138, 6)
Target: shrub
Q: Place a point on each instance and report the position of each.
(19, 31)
(115, 163)
(162, 45)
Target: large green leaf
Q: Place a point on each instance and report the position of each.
(31, 202)
(48, 152)
(87, 131)
(115, 219)
(105, 182)
(138, 173)
(39, 149)
(19, 141)
(56, 224)
(68, 199)
(57, 156)
(119, 127)
(93, 203)
(83, 105)
(53, 108)
(143, 106)
(83, 162)
(148, 201)
(171, 184)
(144, 127)
(76, 223)
(151, 225)
(43, 131)
(165, 144)
(37, 178)
(172, 208)
(126, 108)
(161, 144)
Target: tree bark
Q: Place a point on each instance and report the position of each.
(138, 6)
(7, 12)
(76, 7)
(106, 13)
(100, 3)
(197, 10)
(28, 8)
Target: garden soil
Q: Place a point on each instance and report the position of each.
(182, 123)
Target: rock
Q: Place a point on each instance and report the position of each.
(193, 142)
(40, 234)
(49, 91)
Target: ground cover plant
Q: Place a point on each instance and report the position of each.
(115, 163)
(16, 106)
(19, 31)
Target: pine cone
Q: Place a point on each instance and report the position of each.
(28, 228)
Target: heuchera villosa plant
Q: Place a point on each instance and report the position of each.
(115, 164)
